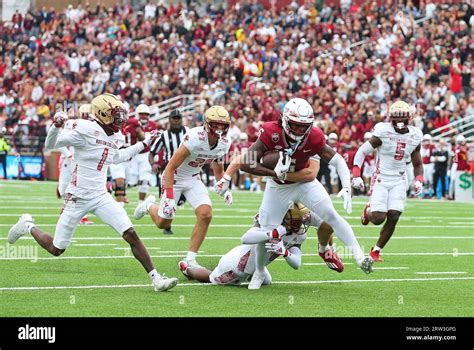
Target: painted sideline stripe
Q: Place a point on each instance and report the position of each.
(209, 284)
(100, 238)
(129, 256)
(441, 273)
(249, 225)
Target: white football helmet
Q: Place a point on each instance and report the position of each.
(297, 112)
(460, 140)
(427, 137)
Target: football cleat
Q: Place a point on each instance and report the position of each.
(20, 228)
(167, 231)
(375, 255)
(85, 221)
(141, 209)
(366, 265)
(183, 267)
(333, 261)
(256, 281)
(162, 283)
(364, 219)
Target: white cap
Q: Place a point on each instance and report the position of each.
(332, 136)
(243, 136)
(143, 108)
(426, 137)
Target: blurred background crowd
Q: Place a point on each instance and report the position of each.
(349, 61)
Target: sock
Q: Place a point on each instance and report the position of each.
(323, 248)
(191, 256)
(148, 206)
(377, 248)
(29, 226)
(153, 274)
(260, 254)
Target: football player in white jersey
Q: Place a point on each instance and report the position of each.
(97, 145)
(201, 145)
(396, 143)
(238, 265)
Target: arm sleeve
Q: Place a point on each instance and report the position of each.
(342, 170)
(255, 235)
(125, 154)
(58, 139)
(294, 257)
(363, 150)
(65, 152)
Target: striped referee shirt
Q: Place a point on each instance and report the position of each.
(170, 141)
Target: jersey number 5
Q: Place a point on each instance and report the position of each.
(102, 160)
(400, 152)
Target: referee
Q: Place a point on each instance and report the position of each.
(167, 144)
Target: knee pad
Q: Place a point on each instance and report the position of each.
(143, 186)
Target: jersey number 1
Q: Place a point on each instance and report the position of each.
(102, 160)
(400, 152)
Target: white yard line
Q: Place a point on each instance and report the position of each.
(237, 238)
(391, 268)
(441, 273)
(53, 258)
(94, 245)
(195, 284)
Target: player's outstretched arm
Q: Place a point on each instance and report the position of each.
(57, 138)
(335, 159)
(366, 148)
(257, 235)
(251, 163)
(305, 175)
(125, 154)
(417, 162)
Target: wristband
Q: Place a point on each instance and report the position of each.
(356, 171)
(169, 192)
(420, 178)
(226, 177)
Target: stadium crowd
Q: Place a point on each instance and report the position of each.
(348, 62)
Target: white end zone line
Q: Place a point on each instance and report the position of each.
(208, 284)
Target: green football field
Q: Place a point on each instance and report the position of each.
(428, 268)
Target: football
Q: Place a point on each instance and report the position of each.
(270, 159)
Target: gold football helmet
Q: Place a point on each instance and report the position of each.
(109, 110)
(215, 116)
(399, 114)
(296, 218)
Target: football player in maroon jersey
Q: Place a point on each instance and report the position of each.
(294, 180)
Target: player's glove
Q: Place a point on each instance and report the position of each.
(283, 165)
(228, 198)
(276, 247)
(167, 204)
(345, 193)
(418, 186)
(150, 138)
(222, 185)
(59, 119)
(358, 183)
